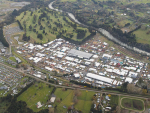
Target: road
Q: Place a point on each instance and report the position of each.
(81, 88)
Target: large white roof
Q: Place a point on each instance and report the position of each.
(79, 54)
(128, 79)
(100, 78)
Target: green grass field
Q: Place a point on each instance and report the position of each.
(132, 104)
(62, 94)
(114, 100)
(12, 58)
(142, 37)
(67, 98)
(85, 101)
(49, 24)
(35, 94)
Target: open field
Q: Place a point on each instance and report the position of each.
(12, 58)
(35, 93)
(85, 101)
(53, 24)
(142, 37)
(132, 104)
(114, 100)
(67, 101)
(62, 94)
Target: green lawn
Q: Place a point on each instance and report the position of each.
(83, 95)
(87, 106)
(54, 18)
(12, 58)
(85, 101)
(35, 94)
(67, 102)
(62, 94)
(142, 37)
(114, 100)
(80, 105)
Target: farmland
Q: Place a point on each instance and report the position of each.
(50, 24)
(35, 93)
(84, 100)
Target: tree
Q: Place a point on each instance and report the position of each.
(144, 91)
(63, 89)
(132, 89)
(2, 39)
(75, 100)
(30, 28)
(76, 92)
(43, 31)
(140, 80)
(124, 87)
(40, 36)
(15, 12)
(118, 110)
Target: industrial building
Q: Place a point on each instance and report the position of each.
(79, 54)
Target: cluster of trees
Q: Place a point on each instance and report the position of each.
(25, 37)
(40, 36)
(19, 106)
(2, 38)
(20, 25)
(81, 33)
(70, 23)
(79, 83)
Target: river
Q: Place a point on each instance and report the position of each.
(103, 31)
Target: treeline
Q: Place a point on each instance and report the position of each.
(25, 37)
(33, 4)
(19, 106)
(2, 39)
(81, 33)
(20, 25)
(24, 89)
(127, 38)
(78, 42)
(79, 83)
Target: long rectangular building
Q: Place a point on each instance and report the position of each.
(79, 54)
(100, 78)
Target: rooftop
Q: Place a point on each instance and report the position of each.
(80, 54)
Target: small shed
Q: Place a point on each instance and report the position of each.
(53, 97)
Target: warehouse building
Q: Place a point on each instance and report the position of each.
(100, 78)
(79, 54)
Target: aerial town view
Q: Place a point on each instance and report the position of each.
(74, 56)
